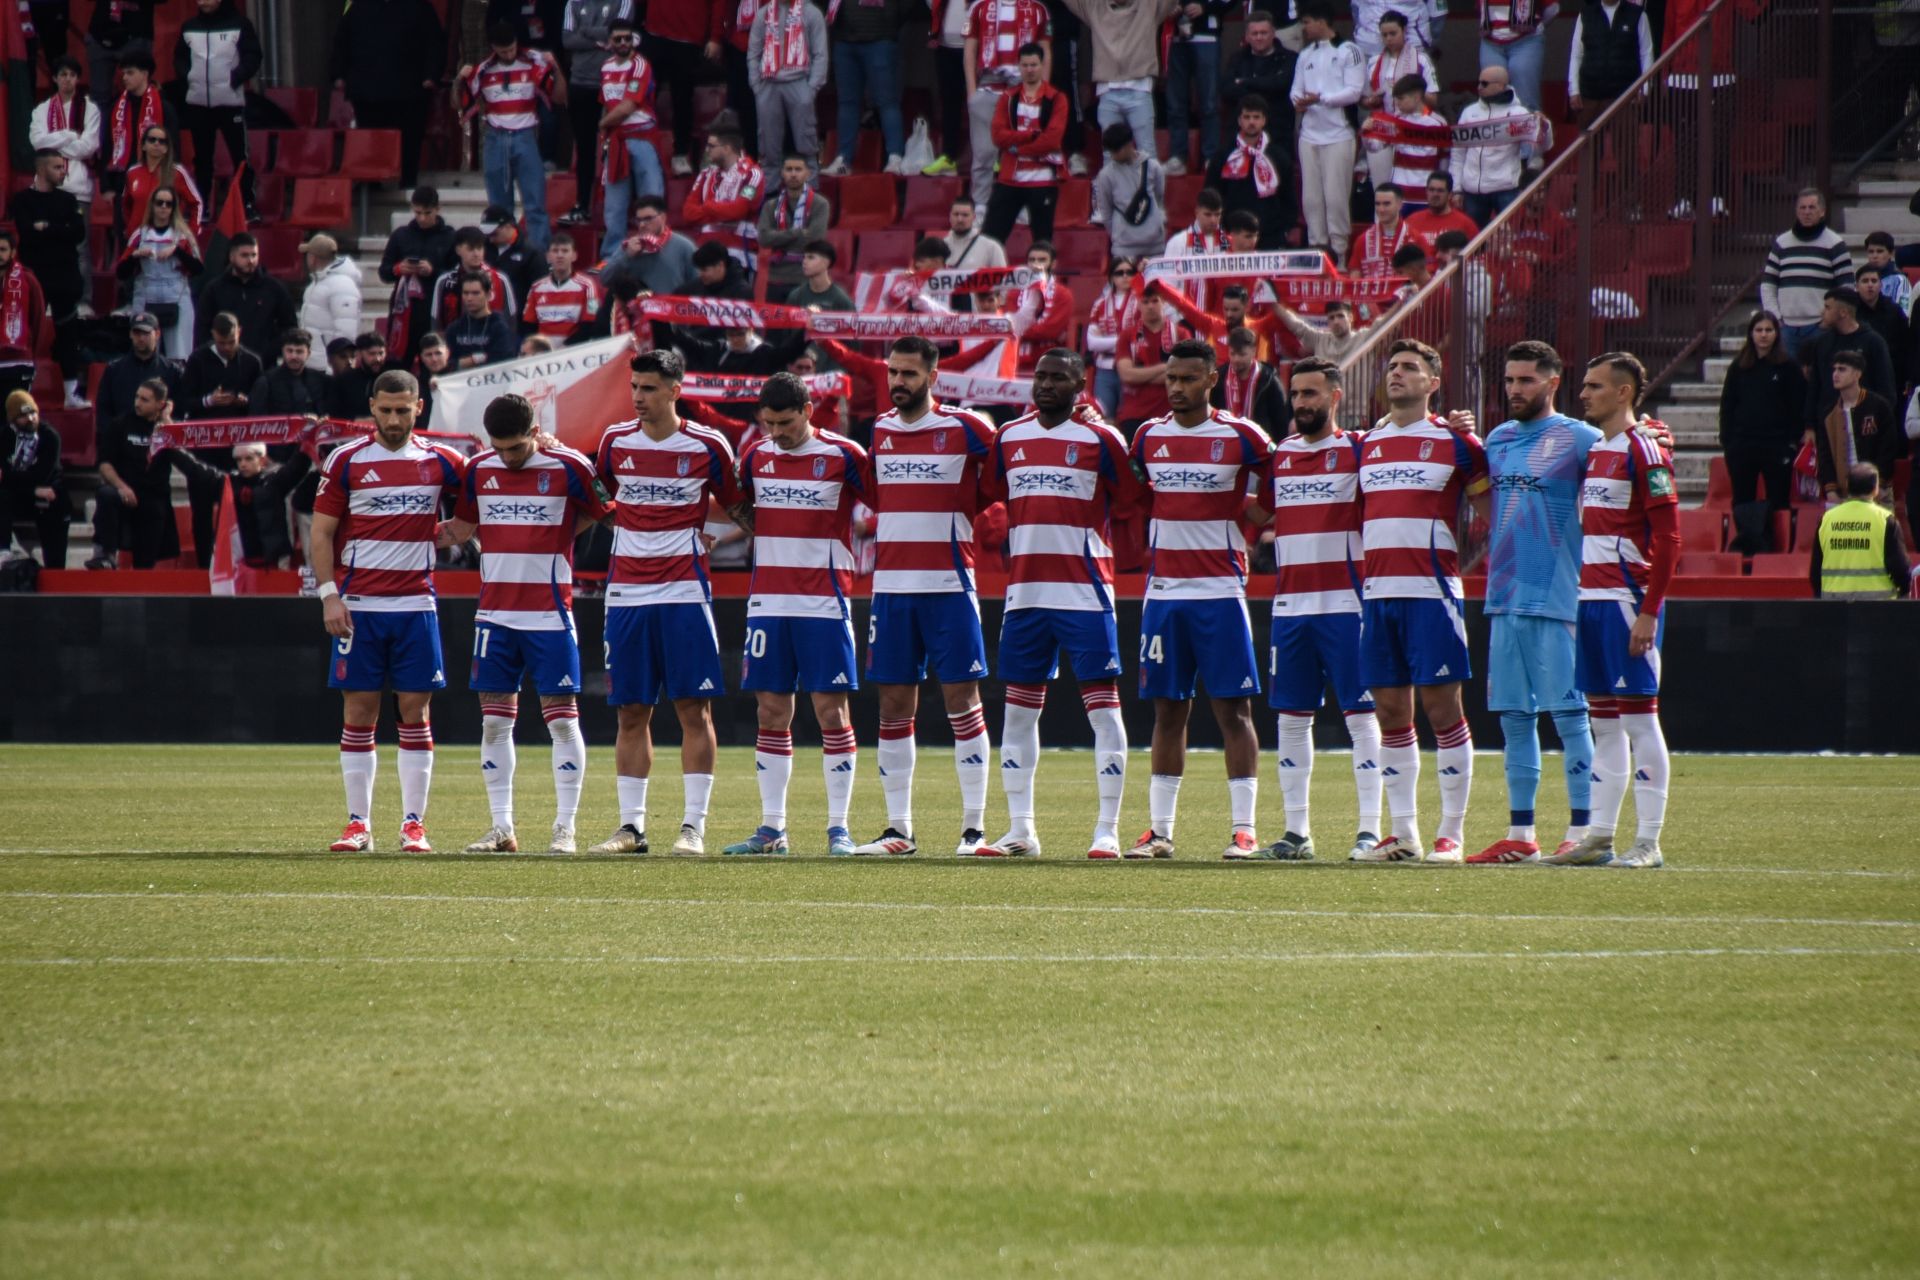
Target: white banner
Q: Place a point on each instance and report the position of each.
(966, 388)
(577, 392)
(1223, 266)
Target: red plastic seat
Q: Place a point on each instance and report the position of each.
(303, 153)
(887, 250)
(867, 203)
(298, 101)
(369, 155)
(1719, 485)
(1080, 250)
(928, 202)
(1782, 564)
(563, 192)
(1702, 529)
(279, 250)
(1182, 192)
(1709, 564)
(1075, 208)
(321, 202)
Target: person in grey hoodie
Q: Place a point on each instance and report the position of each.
(1130, 197)
(583, 34)
(787, 64)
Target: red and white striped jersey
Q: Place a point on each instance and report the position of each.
(1373, 250)
(561, 308)
(507, 94)
(1061, 485)
(1412, 480)
(803, 499)
(1001, 27)
(526, 517)
(660, 490)
(388, 505)
(1199, 477)
(1313, 491)
(1621, 485)
(925, 492)
(631, 80)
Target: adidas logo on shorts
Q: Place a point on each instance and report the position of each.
(706, 686)
(566, 682)
(1621, 683)
(841, 678)
(978, 667)
(1247, 683)
(1444, 671)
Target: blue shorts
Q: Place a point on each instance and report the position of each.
(1310, 651)
(1530, 665)
(1184, 642)
(906, 629)
(1412, 641)
(1031, 641)
(785, 654)
(505, 656)
(1604, 668)
(401, 650)
(656, 647)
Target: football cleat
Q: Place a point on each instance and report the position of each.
(355, 838)
(628, 839)
(1362, 842)
(1445, 850)
(1243, 848)
(1105, 847)
(1009, 846)
(840, 843)
(1292, 847)
(1595, 851)
(1151, 844)
(889, 841)
(498, 839)
(689, 844)
(970, 842)
(1392, 849)
(1503, 851)
(413, 837)
(1645, 853)
(765, 842)
(563, 841)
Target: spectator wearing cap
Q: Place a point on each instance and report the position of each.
(330, 308)
(353, 387)
(817, 288)
(53, 237)
(388, 59)
(340, 358)
(631, 165)
(481, 335)
(866, 68)
(134, 506)
(1806, 263)
(793, 217)
(1841, 330)
(294, 388)
(217, 53)
(470, 257)
(586, 33)
(787, 62)
(1130, 197)
(1612, 47)
(417, 252)
(70, 124)
(31, 487)
(507, 254)
(1327, 80)
(654, 259)
(113, 397)
(507, 91)
(260, 303)
(1859, 426)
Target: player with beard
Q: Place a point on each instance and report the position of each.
(925, 491)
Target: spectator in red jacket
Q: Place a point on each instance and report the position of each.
(679, 36)
(23, 313)
(1043, 312)
(724, 204)
(1028, 126)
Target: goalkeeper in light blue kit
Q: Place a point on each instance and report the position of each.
(1537, 462)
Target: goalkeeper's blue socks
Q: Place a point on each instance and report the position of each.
(1576, 744)
(1523, 770)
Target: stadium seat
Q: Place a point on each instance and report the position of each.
(928, 200)
(1019, 240)
(563, 192)
(890, 249)
(1086, 291)
(300, 102)
(1709, 564)
(1702, 530)
(867, 203)
(370, 155)
(321, 202)
(1782, 564)
(1181, 194)
(1076, 204)
(280, 251)
(1719, 485)
(1080, 250)
(302, 153)
(843, 251)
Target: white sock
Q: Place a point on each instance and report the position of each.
(837, 763)
(569, 761)
(1454, 760)
(1364, 728)
(699, 791)
(1020, 754)
(416, 770)
(497, 759)
(358, 763)
(1400, 775)
(895, 755)
(1295, 752)
(1612, 763)
(1243, 797)
(971, 755)
(1109, 755)
(1163, 797)
(1651, 767)
(633, 802)
(773, 764)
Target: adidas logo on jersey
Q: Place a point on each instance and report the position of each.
(439, 677)
(973, 760)
(766, 468)
(1161, 452)
(1374, 453)
(706, 686)
(566, 682)
(1113, 770)
(1019, 455)
(493, 482)
(371, 476)
(1286, 462)
(887, 443)
(841, 678)
(626, 464)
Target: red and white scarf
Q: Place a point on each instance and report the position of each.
(1388, 67)
(1252, 158)
(787, 47)
(1375, 250)
(13, 307)
(791, 213)
(58, 119)
(1199, 242)
(127, 132)
(654, 243)
(1115, 311)
(1240, 391)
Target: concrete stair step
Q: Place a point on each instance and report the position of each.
(1896, 218)
(1694, 392)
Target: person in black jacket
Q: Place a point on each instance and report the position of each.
(117, 30)
(510, 256)
(52, 228)
(1841, 330)
(388, 58)
(218, 379)
(260, 493)
(1256, 174)
(260, 303)
(1877, 314)
(218, 52)
(292, 388)
(1761, 404)
(121, 379)
(415, 256)
(134, 507)
(353, 387)
(1251, 390)
(30, 483)
(1264, 66)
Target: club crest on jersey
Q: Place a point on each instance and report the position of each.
(1332, 460)
(1219, 450)
(939, 442)
(819, 468)
(1426, 450)
(1073, 454)
(542, 481)
(1548, 447)
(683, 464)
(426, 473)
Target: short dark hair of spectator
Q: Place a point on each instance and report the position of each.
(1234, 293)
(657, 203)
(475, 277)
(1339, 304)
(1398, 19)
(158, 386)
(396, 382)
(1192, 349)
(226, 324)
(1254, 102)
(1815, 192)
(791, 156)
(1444, 177)
(1867, 269)
(710, 254)
(1539, 354)
(344, 347)
(1042, 246)
(372, 341)
(8, 237)
(428, 341)
(1856, 360)
(1115, 136)
(1862, 480)
(962, 199)
(1328, 369)
(1210, 200)
(508, 417)
(48, 153)
(1750, 355)
(469, 238)
(1880, 240)
(668, 364)
(1032, 49)
(501, 35)
(1243, 339)
(784, 392)
(1261, 15)
(1321, 9)
(1452, 241)
(732, 139)
(425, 197)
(1845, 297)
(69, 64)
(1627, 365)
(824, 248)
(297, 338)
(929, 248)
(1408, 254)
(1245, 221)
(137, 60)
(1428, 356)
(241, 240)
(1409, 84)
(913, 344)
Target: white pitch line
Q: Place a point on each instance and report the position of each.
(1016, 908)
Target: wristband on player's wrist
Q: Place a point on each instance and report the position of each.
(328, 591)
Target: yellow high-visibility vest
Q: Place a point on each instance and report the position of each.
(1853, 551)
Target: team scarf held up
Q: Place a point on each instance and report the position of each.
(126, 132)
(1252, 158)
(789, 48)
(13, 306)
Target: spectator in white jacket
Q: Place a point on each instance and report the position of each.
(787, 64)
(1489, 178)
(331, 307)
(1327, 80)
(69, 122)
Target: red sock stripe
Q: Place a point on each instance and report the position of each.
(416, 737)
(970, 723)
(1453, 735)
(892, 729)
(837, 742)
(1603, 709)
(1027, 695)
(774, 743)
(1351, 714)
(567, 711)
(1100, 695)
(1638, 706)
(500, 710)
(355, 737)
(1398, 737)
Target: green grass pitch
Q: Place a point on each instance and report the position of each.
(225, 1054)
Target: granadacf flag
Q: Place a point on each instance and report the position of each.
(577, 392)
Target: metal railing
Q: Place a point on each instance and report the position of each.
(1647, 229)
